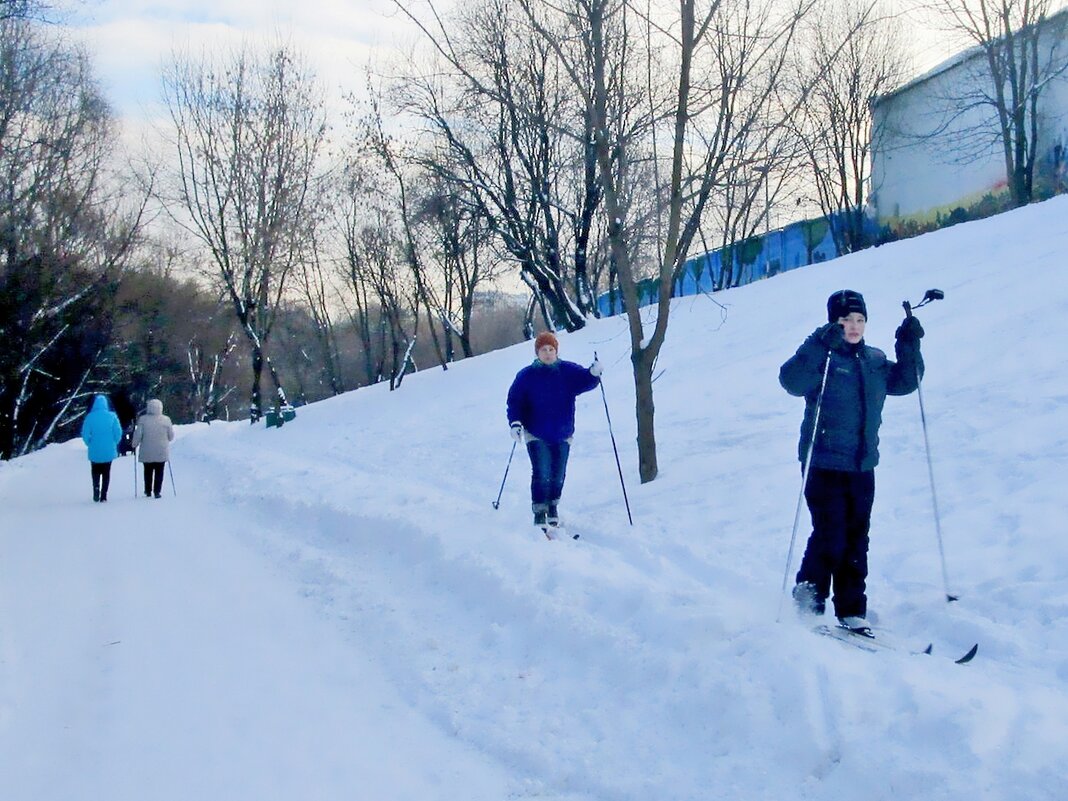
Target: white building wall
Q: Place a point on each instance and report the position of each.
(929, 156)
(1054, 116)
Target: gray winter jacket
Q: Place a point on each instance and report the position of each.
(858, 381)
(153, 434)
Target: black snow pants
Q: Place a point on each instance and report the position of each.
(101, 479)
(154, 478)
(837, 553)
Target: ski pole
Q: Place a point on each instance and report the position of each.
(497, 503)
(170, 472)
(615, 450)
(804, 483)
(931, 294)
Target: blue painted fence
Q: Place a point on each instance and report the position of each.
(798, 244)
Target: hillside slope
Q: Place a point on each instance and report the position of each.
(335, 610)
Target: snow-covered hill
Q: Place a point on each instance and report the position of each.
(334, 610)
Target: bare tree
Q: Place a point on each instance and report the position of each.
(1023, 49)
(373, 261)
(729, 58)
(208, 392)
(383, 146)
(65, 234)
(454, 230)
(317, 296)
(248, 131)
(381, 298)
(837, 123)
(351, 210)
(518, 146)
(22, 9)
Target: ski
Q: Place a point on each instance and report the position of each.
(873, 644)
(857, 640)
(969, 656)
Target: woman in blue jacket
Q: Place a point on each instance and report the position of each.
(541, 412)
(101, 431)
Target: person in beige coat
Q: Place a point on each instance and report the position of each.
(152, 438)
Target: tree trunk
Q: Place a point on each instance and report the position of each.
(255, 406)
(280, 392)
(643, 394)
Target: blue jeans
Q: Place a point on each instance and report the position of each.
(548, 466)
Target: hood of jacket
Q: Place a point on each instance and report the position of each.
(154, 406)
(100, 404)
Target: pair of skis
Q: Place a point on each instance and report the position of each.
(876, 641)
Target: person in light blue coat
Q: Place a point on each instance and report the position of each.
(101, 432)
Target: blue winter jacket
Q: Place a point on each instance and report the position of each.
(858, 381)
(101, 431)
(542, 398)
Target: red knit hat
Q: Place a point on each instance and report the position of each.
(546, 338)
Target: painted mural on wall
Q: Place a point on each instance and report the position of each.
(798, 244)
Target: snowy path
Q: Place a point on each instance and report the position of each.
(154, 657)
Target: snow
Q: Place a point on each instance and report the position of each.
(334, 610)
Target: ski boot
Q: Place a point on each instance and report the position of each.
(807, 601)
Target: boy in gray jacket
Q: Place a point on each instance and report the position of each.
(845, 450)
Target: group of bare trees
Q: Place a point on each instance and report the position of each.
(248, 134)
(370, 234)
(605, 142)
(506, 135)
(252, 265)
(65, 235)
(590, 144)
(581, 146)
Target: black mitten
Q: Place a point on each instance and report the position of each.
(831, 335)
(910, 331)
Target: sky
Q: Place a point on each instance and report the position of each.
(334, 610)
(130, 40)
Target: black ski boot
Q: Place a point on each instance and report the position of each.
(553, 515)
(807, 601)
(541, 514)
(857, 625)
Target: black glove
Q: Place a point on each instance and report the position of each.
(910, 331)
(831, 336)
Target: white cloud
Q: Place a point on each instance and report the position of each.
(129, 42)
